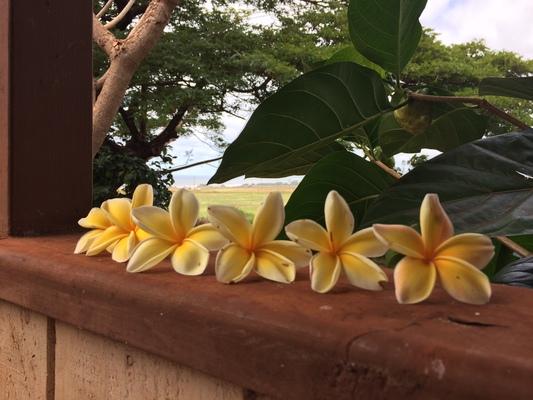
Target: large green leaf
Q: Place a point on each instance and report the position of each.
(350, 54)
(486, 186)
(299, 124)
(521, 88)
(386, 32)
(357, 180)
(452, 128)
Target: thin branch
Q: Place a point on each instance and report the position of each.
(523, 252)
(115, 21)
(482, 103)
(104, 9)
(168, 171)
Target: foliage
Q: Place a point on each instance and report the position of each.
(117, 175)
(484, 181)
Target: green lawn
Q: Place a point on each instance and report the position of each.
(245, 199)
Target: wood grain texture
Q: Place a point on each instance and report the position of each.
(5, 27)
(89, 366)
(23, 354)
(284, 340)
(46, 94)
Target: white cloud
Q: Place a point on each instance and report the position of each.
(505, 25)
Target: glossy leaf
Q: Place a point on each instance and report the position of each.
(299, 124)
(386, 32)
(521, 88)
(486, 186)
(357, 180)
(452, 128)
(518, 273)
(350, 54)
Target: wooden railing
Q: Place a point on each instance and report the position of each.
(73, 327)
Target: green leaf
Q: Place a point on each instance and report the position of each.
(485, 186)
(386, 32)
(453, 128)
(502, 256)
(518, 273)
(350, 54)
(299, 124)
(521, 88)
(357, 180)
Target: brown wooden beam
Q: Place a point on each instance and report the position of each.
(45, 115)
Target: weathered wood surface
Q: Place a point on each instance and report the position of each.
(89, 366)
(285, 340)
(45, 114)
(23, 354)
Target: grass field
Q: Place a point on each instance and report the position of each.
(245, 198)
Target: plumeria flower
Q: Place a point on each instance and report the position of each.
(457, 259)
(97, 221)
(253, 246)
(174, 234)
(122, 235)
(339, 249)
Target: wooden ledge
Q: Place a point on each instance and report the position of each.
(284, 340)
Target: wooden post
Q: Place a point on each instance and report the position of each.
(45, 115)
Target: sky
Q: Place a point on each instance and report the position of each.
(502, 26)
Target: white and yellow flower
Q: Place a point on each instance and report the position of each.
(339, 249)
(253, 246)
(122, 234)
(97, 221)
(174, 234)
(456, 259)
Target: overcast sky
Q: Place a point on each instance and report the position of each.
(502, 26)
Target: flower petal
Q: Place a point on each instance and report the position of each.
(149, 253)
(299, 255)
(362, 272)
(142, 196)
(124, 247)
(364, 242)
(119, 212)
(108, 237)
(473, 248)
(414, 280)
(309, 234)
(156, 222)
(141, 234)
(401, 238)
(325, 269)
(435, 225)
(339, 218)
(183, 209)
(231, 223)
(233, 263)
(208, 237)
(268, 220)
(274, 266)
(96, 219)
(463, 281)
(190, 258)
(85, 241)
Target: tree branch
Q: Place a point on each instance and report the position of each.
(168, 171)
(115, 21)
(482, 103)
(103, 38)
(125, 57)
(104, 9)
